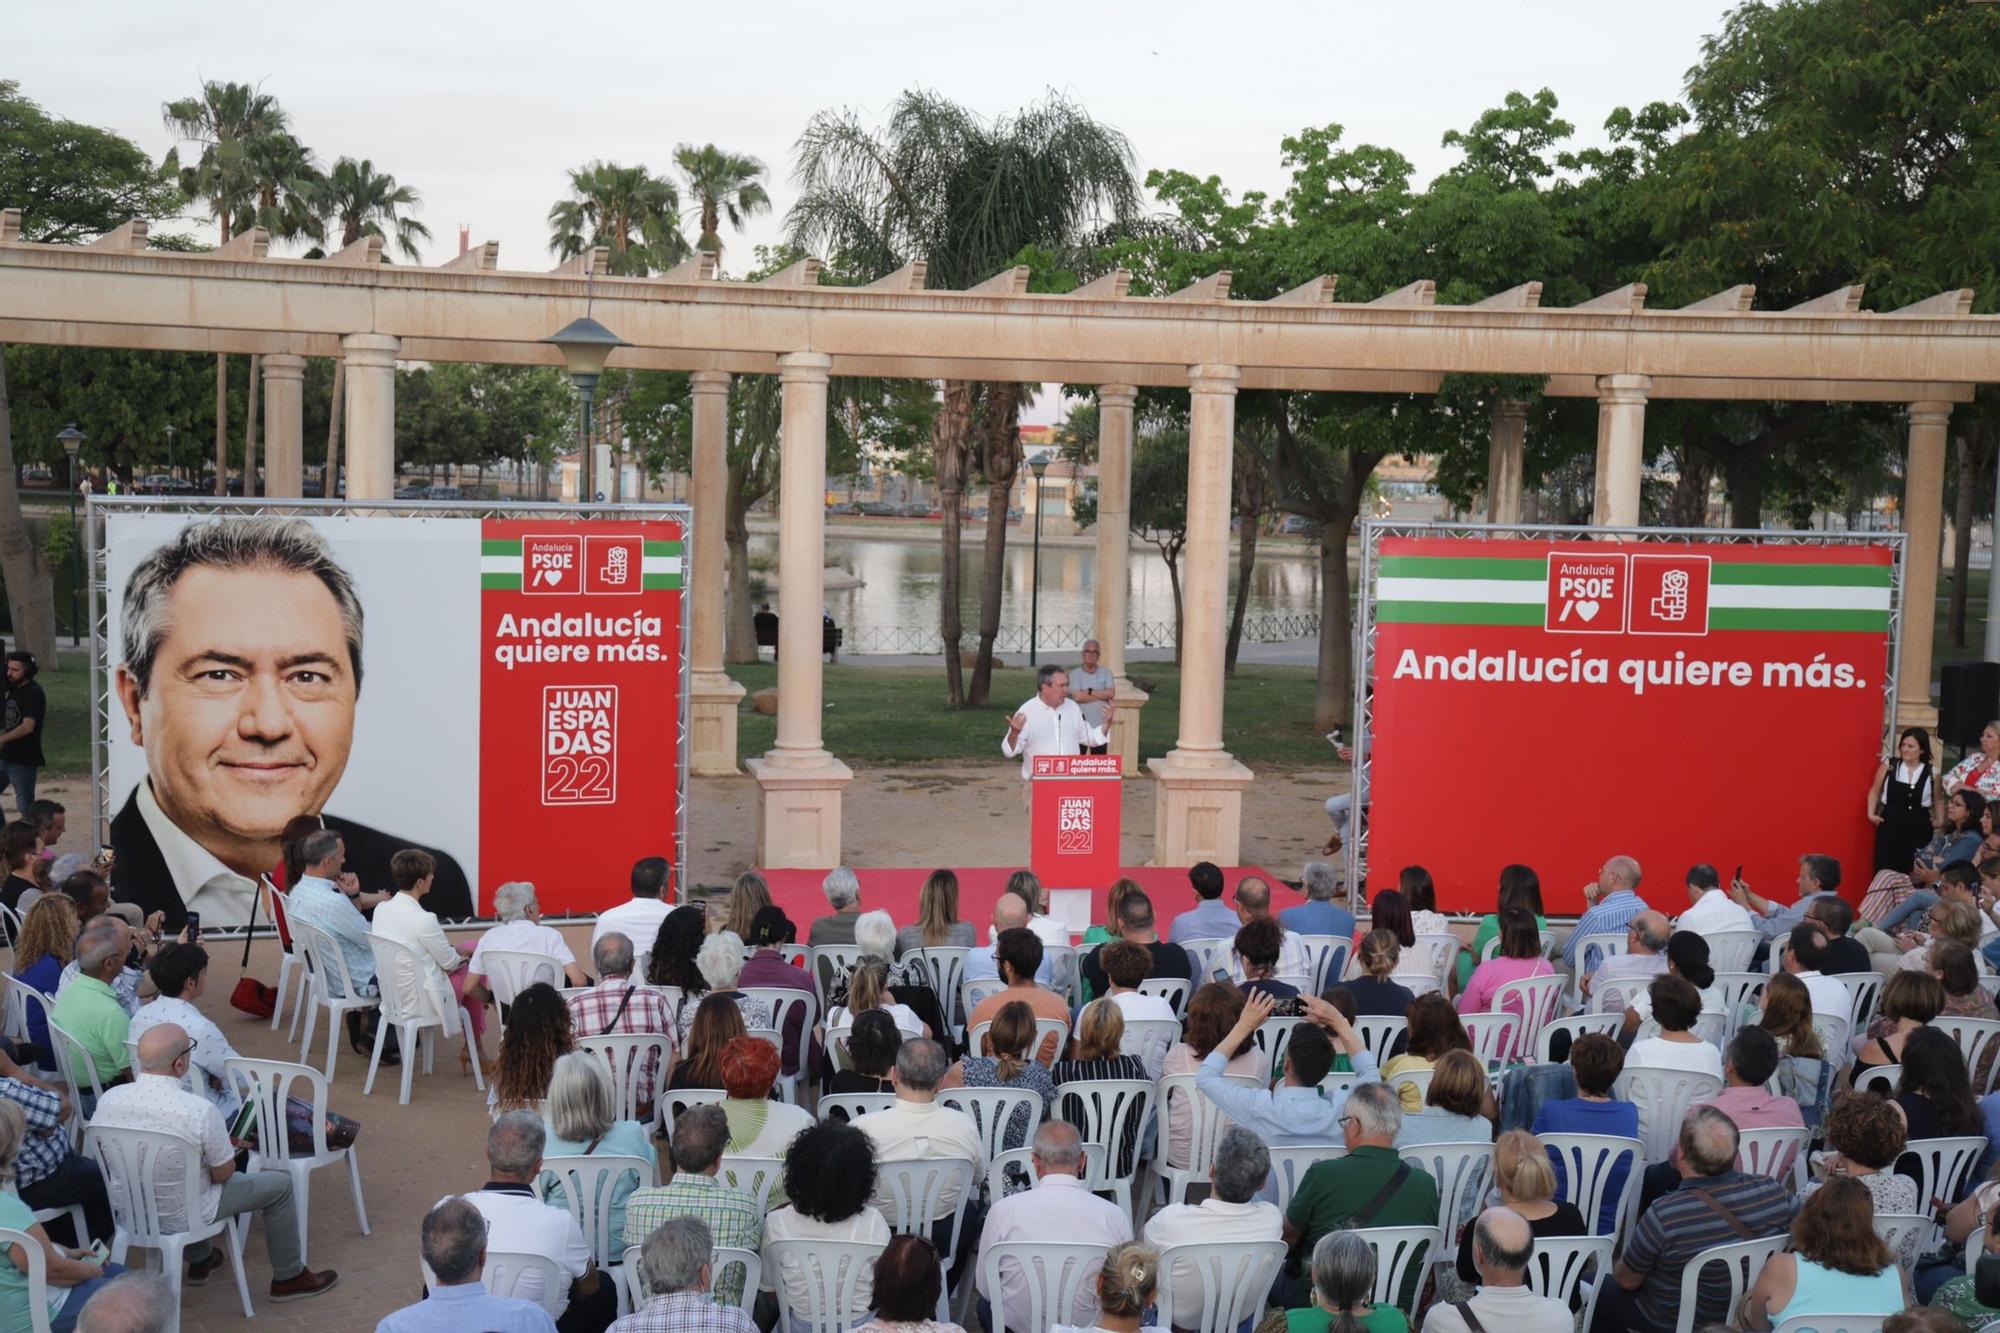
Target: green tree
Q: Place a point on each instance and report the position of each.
(626, 209)
(71, 181)
(723, 185)
(283, 180)
(966, 196)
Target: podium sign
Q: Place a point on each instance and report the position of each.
(1074, 820)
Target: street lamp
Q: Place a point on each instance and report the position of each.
(1037, 466)
(585, 346)
(71, 439)
(170, 452)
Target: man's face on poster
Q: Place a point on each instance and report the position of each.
(249, 715)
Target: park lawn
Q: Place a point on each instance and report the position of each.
(66, 741)
(897, 715)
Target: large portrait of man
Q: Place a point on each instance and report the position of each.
(239, 673)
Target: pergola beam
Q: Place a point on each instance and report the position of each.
(1214, 287)
(586, 262)
(1007, 282)
(1318, 291)
(124, 239)
(1839, 301)
(1112, 286)
(1954, 304)
(697, 267)
(481, 258)
(908, 278)
(1729, 301)
(1631, 299)
(804, 273)
(1421, 294)
(1528, 296)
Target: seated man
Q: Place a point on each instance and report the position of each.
(1058, 1205)
(734, 1220)
(1010, 912)
(92, 896)
(521, 931)
(1372, 1186)
(1819, 877)
(843, 894)
(1502, 1245)
(1317, 915)
(1804, 957)
(917, 1129)
(1231, 1212)
(639, 916)
(518, 1222)
(1710, 909)
(1715, 1205)
(131, 1303)
(614, 1005)
(1611, 986)
(454, 1246)
(1253, 903)
(47, 1174)
(181, 973)
(1751, 1060)
(1609, 906)
(1297, 1110)
(1125, 966)
(1021, 960)
(88, 1008)
(1135, 926)
(324, 903)
(157, 1102)
(676, 1270)
(1210, 918)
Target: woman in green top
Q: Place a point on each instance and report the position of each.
(1520, 890)
(73, 1275)
(1105, 934)
(1343, 1278)
(1960, 1295)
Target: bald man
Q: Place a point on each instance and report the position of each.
(1009, 912)
(156, 1101)
(1621, 976)
(1253, 902)
(1610, 904)
(1502, 1245)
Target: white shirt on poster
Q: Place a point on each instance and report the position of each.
(223, 897)
(1058, 730)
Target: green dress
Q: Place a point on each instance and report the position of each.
(1489, 930)
(1094, 936)
(1957, 1297)
(1381, 1319)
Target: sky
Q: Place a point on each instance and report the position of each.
(483, 109)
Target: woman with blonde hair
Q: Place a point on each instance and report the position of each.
(1127, 1285)
(47, 943)
(582, 1119)
(867, 990)
(937, 925)
(1375, 995)
(1096, 1056)
(1009, 1066)
(73, 1275)
(748, 896)
(1458, 1106)
(1526, 1180)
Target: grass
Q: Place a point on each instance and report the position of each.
(66, 740)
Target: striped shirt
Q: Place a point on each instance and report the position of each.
(1073, 1109)
(1610, 917)
(731, 1215)
(1680, 1225)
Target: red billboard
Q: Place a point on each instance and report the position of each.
(1554, 703)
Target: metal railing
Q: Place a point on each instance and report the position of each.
(877, 640)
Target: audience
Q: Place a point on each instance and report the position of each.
(1595, 1061)
(868, 992)
(324, 898)
(1909, 1001)
(1210, 918)
(1124, 966)
(1126, 1286)
(616, 1006)
(871, 1054)
(908, 1286)
(538, 1033)
(1375, 994)
(1059, 1206)
(517, 1222)
(1391, 912)
(1844, 953)
(1710, 909)
(937, 925)
(1526, 1183)
(1343, 1286)
(1212, 1013)
(1617, 977)
(676, 1271)
(180, 973)
(1610, 904)
(1434, 1029)
(1369, 1186)
(1024, 884)
(90, 1011)
(1298, 1110)
(1819, 877)
(1676, 1006)
(454, 1241)
(47, 1173)
(1253, 904)
(583, 1121)
(521, 931)
(1805, 958)
(46, 946)
(767, 969)
(1254, 959)
(1520, 890)
(1960, 1294)
(1518, 958)
(1804, 1072)
(918, 1129)
(1010, 1039)
(1136, 925)
(1020, 956)
(1838, 1264)
(1231, 1212)
(676, 941)
(717, 1022)
(748, 896)
(441, 969)
(1502, 1245)
(640, 916)
(721, 962)
(73, 1275)
(1687, 958)
(1457, 1107)
(843, 895)
(136, 1303)
(1317, 915)
(701, 1135)
(1934, 1092)
(1009, 913)
(758, 1126)
(829, 1178)
(1749, 1064)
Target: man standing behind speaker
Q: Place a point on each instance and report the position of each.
(1980, 771)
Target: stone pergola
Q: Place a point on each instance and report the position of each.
(117, 293)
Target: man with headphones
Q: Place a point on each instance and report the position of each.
(23, 713)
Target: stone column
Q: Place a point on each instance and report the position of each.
(1923, 517)
(1198, 792)
(1114, 558)
(371, 415)
(1621, 448)
(800, 783)
(714, 697)
(284, 425)
(1506, 462)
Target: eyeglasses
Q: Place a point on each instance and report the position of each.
(188, 1050)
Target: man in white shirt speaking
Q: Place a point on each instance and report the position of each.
(1052, 723)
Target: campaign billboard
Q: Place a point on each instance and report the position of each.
(502, 687)
(1556, 699)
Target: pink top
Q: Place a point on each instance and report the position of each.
(1180, 1123)
(1490, 976)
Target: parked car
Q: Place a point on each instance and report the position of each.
(879, 509)
(412, 492)
(443, 492)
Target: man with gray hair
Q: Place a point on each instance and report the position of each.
(917, 1129)
(1617, 977)
(733, 1216)
(130, 1303)
(1231, 1212)
(1317, 915)
(239, 675)
(518, 1222)
(88, 1009)
(616, 1006)
(1502, 1246)
(843, 893)
(677, 1269)
(454, 1246)
(1371, 1186)
(1715, 1205)
(521, 931)
(1058, 1207)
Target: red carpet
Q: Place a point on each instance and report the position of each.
(895, 890)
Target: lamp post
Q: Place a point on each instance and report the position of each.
(1036, 466)
(71, 439)
(585, 346)
(170, 452)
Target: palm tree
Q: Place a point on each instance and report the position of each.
(284, 182)
(229, 121)
(966, 196)
(627, 209)
(361, 201)
(723, 185)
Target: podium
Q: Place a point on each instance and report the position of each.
(1076, 802)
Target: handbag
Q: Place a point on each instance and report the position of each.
(253, 997)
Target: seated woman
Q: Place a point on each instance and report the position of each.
(1520, 891)
(1596, 1062)
(671, 965)
(1421, 892)
(538, 1034)
(1865, 1136)
(1676, 1006)
(1934, 1091)
(1343, 1288)
(717, 1022)
(1458, 1106)
(1909, 1001)
(1837, 1264)
(829, 1179)
(1009, 1066)
(938, 925)
(1804, 1072)
(720, 960)
(1257, 947)
(871, 1054)
(47, 943)
(443, 968)
(1519, 957)
(1526, 1182)
(1212, 1012)
(1959, 1295)
(583, 1121)
(74, 1275)
(1095, 1056)
(1687, 956)
(1434, 1029)
(867, 990)
(1375, 994)
(749, 895)
(1391, 912)
(1957, 839)
(758, 1126)
(909, 1283)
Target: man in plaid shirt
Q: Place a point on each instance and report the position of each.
(732, 1216)
(615, 1005)
(675, 1270)
(46, 1173)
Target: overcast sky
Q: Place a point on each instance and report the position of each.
(483, 108)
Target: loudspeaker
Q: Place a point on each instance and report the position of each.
(1969, 699)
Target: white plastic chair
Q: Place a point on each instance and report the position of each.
(1174, 990)
(1463, 1171)
(326, 967)
(409, 1005)
(145, 1171)
(1557, 1265)
(590, 1186)
(1882, 1079)
(76, 1068)
(1379, 1033)
(1397, 1250)
(975, 1037)
(755, 1176)
(1114, 1112)
(1417, 983)
(1943, 1167)
(915, 1192)
(289, 959)
(1865, 989)
(1778, 1152)
(992, 1110)
(1497, 1038)
(1833, 1032)
(1741, 1261)
(1737, 989)
(723, 1258)
(19, 995)
(1590, 953)
(1663, 1097)
(945, 965)
(1576, 1025)
(1289, 1164)
(782, 1001)
(268, 1084)
(1204, 1131)
(38, 1269)
(1906, 1234)
(624, 1054)
(1975, 1245)
(1235, 1276)
(1329, 958)
(534, 1278)
(1065, 972)
(1151, 1035)
(1207, 956)
(853, 1104)
(828, 965)
(511, 971)
(973, 990)
(1976, 1038)
(1420, 1079)
(1586, 1164)
(1832, 1323)
(671, 1104)
(1730, 950)
(1014, 1170)
(1442, 951)
(1057, 1274)
(1271, 1037)
(830, 1272)
(1536, 1000)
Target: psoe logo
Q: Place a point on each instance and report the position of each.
(551, 565)
(613, 565)
(1076, 825)
(1586, 593)
(1670, 594)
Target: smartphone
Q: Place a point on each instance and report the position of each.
(1221, 974)
(1287, 1007)
(1739, 876)
(100, 1252)
(104, 855)
(194, 927)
